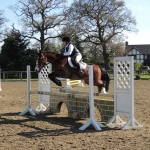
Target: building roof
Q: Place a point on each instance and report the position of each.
(143, 48)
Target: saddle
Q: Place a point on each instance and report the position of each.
(71, 62)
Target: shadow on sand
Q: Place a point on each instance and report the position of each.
(64, 125)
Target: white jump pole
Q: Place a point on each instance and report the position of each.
(28, 109)
(92, 121)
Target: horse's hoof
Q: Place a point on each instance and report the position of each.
(103, 91)
(59, 83)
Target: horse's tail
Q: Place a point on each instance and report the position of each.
(106, 78)
(107, 81)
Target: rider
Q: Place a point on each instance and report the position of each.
(73, 52)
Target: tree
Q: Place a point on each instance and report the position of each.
(72, 31)
(100, 21)
(2, 22)
(52, 45)
(78, 43)
(137, 66)
(40, 17)
(13, 52)
(94, 54)
(29, 58)
(116, 47)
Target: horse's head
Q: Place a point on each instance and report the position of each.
(40, 62)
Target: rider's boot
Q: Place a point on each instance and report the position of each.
(80, 72)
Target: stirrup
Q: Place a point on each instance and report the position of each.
(81, 73)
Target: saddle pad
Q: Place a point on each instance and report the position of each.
(82, 64)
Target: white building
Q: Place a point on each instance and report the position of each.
(141, 53)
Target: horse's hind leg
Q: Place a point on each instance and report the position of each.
(99, 83)
(101, 86)
(98, 79)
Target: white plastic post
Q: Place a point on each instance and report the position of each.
(28, 109)
(68, 86)
(124, 93)
(91, 104)
(44, 85)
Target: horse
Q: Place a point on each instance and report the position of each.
(61, 67)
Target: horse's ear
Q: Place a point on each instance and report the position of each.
(38, 51)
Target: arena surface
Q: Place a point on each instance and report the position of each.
(57, 131)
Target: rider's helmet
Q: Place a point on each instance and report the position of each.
(67, 39)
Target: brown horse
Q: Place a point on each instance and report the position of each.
(61, 68)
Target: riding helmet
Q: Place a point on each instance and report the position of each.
(67, 39)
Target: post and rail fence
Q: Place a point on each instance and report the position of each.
(17, 75)
(21, 75)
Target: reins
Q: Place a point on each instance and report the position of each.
(53, 60)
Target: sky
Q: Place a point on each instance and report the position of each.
(140, 10)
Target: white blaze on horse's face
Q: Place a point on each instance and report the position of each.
(40, 63)
(37, 67)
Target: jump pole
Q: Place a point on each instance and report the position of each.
(28, 109)
(92, 121)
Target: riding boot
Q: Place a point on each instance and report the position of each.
(80, 72)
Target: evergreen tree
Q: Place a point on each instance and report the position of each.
(13, 52)
(30, 58)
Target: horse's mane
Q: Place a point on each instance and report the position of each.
(51, 53)
(54, 56)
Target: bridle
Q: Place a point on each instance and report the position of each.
(43, 61)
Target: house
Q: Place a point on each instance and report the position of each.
(141, 53)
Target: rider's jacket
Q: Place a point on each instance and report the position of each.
(70, 50)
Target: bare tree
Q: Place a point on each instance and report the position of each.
(41, 19)
(3, 20)
(93, 52)
(100, 21)
(116, 47)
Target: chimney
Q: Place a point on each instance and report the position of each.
(126, 45)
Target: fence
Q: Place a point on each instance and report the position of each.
(21, 75)
(17, 75)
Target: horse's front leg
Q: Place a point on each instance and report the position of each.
(53, 78)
